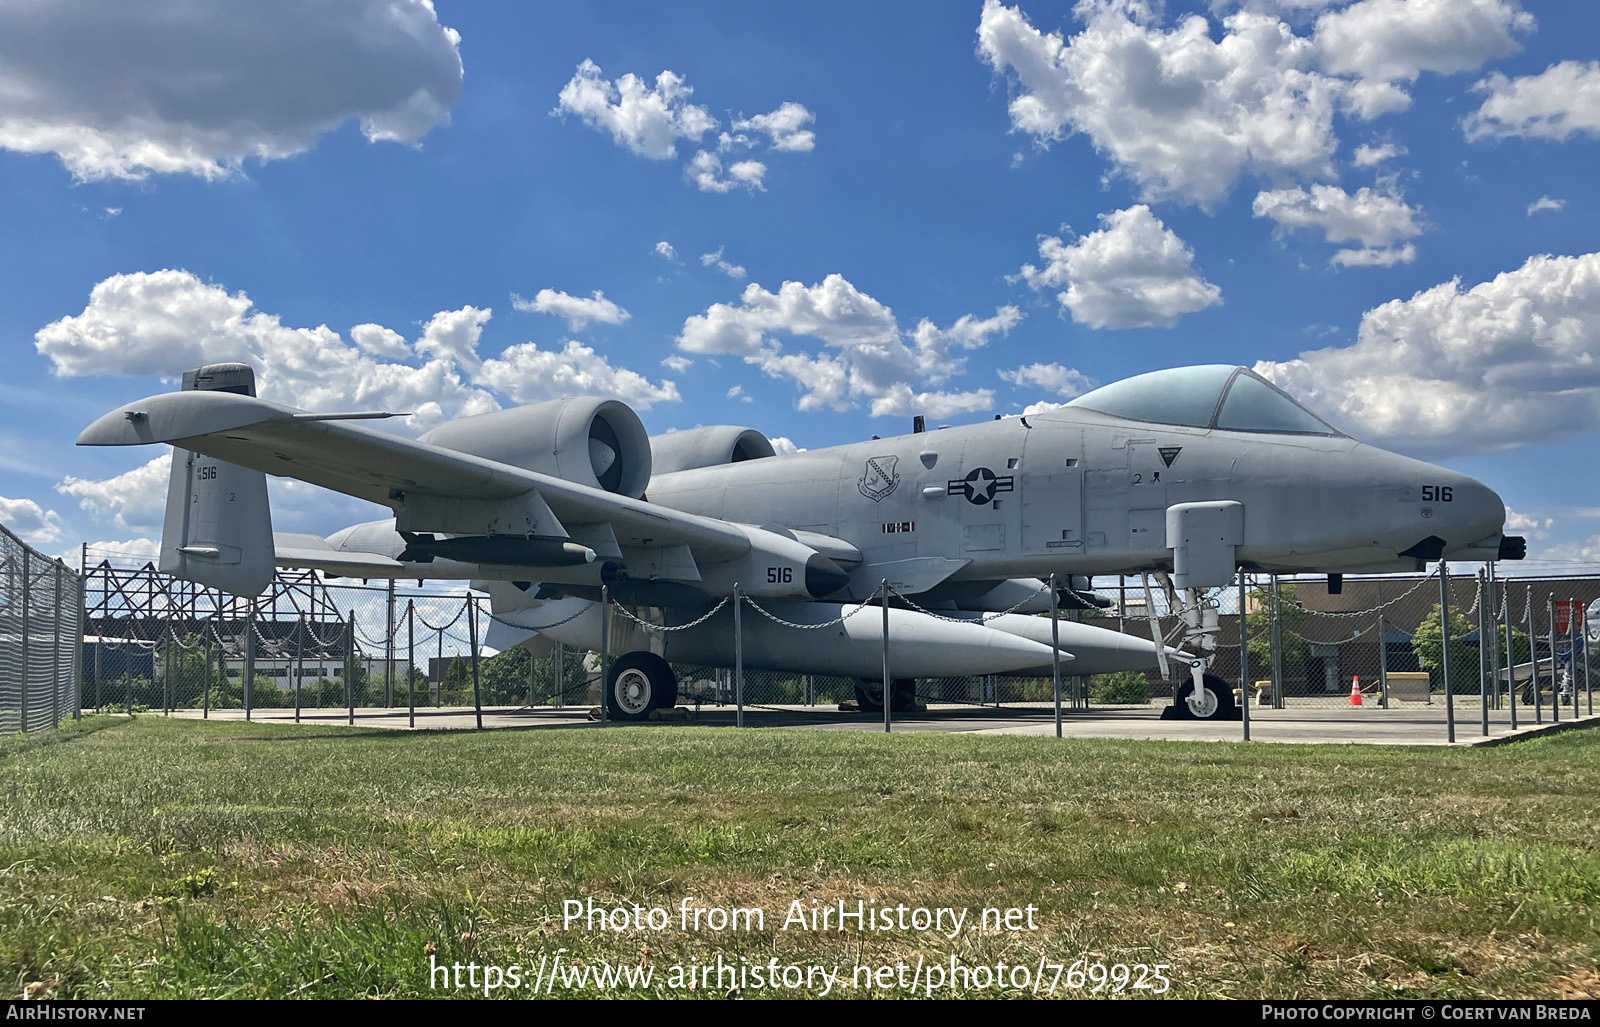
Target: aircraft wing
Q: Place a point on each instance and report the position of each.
(437, 489)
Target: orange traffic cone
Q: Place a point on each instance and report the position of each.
(1355, 690)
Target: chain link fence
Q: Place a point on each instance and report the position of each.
(155, 643)
(41, 620)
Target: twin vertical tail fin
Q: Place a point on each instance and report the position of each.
(218, 529)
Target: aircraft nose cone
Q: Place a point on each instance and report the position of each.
(1477, 513)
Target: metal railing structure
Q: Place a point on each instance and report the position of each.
(153, 642)
(41, 620)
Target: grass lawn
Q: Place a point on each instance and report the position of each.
(158, 858)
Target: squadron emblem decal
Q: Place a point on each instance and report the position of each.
(979, 486)
(879, 479)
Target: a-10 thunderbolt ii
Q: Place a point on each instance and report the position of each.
(1192, 473)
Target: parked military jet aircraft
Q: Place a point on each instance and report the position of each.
(1191, 473)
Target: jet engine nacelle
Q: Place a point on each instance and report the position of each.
(710, 446)
(592, 441)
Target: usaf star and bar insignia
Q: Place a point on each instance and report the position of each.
(980, 486)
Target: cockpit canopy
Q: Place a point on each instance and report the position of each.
(1206, 396)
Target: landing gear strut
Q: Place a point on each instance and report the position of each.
(1204, 696)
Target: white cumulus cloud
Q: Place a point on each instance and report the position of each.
(716, 260)
(1180, 113)
(1371, 155)
(866, 354)
(577, 310)
(1545, 203)
(650, 120)
(1504, 363)
(1377, 220)
(164, 322)
(785, 127)
(644, 119)
(527, 374)
(665, 251)
(1186, 110)
(134, 500)
(704, 171)
(123, 90)
(1064, 381)
(1389, 40)
(1133, 272)
(1558, 103)
(31, 522)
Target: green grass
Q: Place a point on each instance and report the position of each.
(175, 858)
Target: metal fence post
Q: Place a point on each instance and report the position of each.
(300, 632)
(738, 658)
(1276, 599)
(1494, 629)
(1588, 689)
(1444, 650)
(27, 637)
(1244, 661)
(80, 617)
(388, 649)
(205, 699)
(411, 662)
(1533, 663)
(1572, 654)
(1511, 661)
(350, 670)
(55, 651)
(166, 675)
(1555, 674)
(888, 687)
(248, 685)
(1383, 666)
(1055, 649)
(605, 646)
(1483, 666)
(561, 674)
(472, 630)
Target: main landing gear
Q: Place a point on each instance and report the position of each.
(638, 683)
(903, 696)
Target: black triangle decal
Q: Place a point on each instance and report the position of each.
(1169, 454)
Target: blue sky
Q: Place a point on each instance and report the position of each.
(868, 211)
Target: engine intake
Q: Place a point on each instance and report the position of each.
(592, 441)
(710, 446)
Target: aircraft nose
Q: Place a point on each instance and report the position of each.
(1474, 514)
(1478, 511)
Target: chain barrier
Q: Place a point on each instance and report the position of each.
(865, 604)
(446, 624)
(1369, 612)
(663, 629)
(982, 619)
(541, 627)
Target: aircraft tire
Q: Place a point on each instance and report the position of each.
(638, 683)
(1226, 708)
(869, 696)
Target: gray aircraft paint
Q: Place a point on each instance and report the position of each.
(946, 516)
